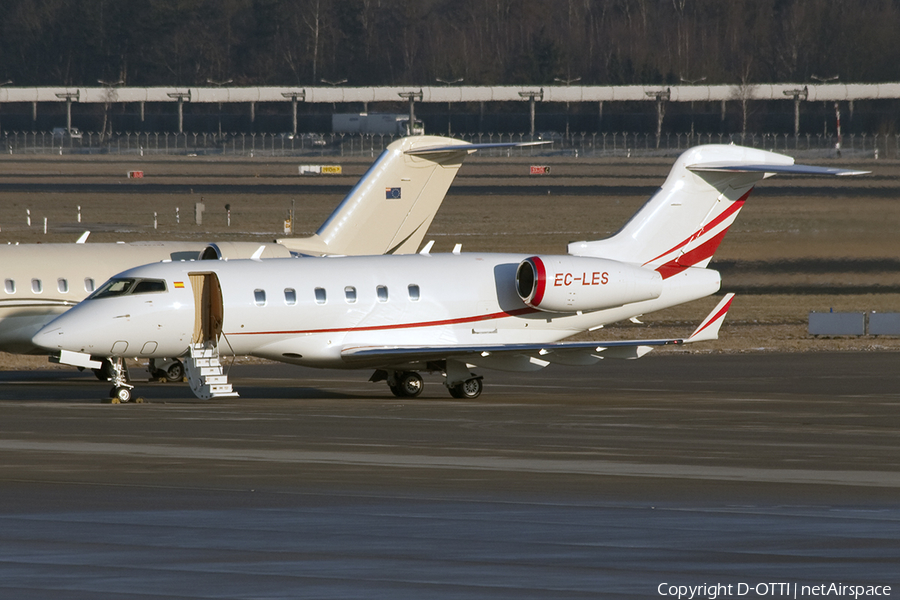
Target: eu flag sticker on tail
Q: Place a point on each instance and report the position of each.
(392, 193)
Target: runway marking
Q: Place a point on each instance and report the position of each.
(486, 463)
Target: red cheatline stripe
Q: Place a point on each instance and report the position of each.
(716, 317)
(735, 206)
(489, 317)
(541, 283)
(689, 259)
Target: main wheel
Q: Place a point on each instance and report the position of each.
(409, 385)
(105, 372)
(468, 389)
(122, 394)
(175, 372)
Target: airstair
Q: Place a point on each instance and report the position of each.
(205, 373)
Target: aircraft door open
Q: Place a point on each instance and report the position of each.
(208, 308)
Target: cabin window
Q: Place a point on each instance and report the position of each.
(259, 296)
(320, 295)
(290, 296)
(62, 285)
(88, 284)
(350, 294)
(10, 286)
(413, 292)
(36, 286)
(382, 292)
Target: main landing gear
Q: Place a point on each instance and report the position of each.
(467, 390)
(406, 384)
(167, 369)
(409, 384)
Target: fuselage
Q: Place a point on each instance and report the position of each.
(307, 310)
(41, 281)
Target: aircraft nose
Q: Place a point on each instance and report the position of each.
(50, 337)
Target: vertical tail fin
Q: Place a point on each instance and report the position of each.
(683, 224)
(391, 207)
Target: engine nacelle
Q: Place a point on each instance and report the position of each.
(576, 283)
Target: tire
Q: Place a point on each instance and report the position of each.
(175, 372)
(105, 372)
(409, 385)
(122, 394)
(467, 390)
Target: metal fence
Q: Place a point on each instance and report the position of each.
(615, 144)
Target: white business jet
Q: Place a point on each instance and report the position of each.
(447, 313)
(41, 281)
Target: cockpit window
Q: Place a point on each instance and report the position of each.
(114, 287)
(128, 286)
(149, 286)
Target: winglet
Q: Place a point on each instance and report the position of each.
(258, 254)
(709, 328)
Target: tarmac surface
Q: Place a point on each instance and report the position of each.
(683, 469)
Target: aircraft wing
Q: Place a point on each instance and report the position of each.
(538, 355)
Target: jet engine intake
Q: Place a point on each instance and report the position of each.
(567, 284)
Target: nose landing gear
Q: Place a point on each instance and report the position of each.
(122, 390)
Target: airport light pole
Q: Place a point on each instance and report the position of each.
(692, 82)
(181, 97)
(69, 96)
(412, 97)
(448, 82)
(824, 102)
(219, 85)
(531, 97)
(108, 99)
(7, 82)
(567, 82)
(798, 96)
(295, 97)
(662, 97)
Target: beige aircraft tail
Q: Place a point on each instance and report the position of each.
(391, 207)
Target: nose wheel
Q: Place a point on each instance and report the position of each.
(122, 394)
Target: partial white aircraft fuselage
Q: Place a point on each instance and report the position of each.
(42, 281)
(316, 312)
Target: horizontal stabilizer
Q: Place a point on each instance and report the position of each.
(772, 168)
(469, 148)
